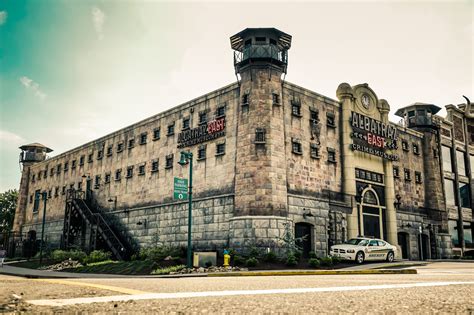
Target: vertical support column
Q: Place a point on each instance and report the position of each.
(392, 236)
(22, 198)
(346, 96)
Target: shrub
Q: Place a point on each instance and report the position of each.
(336, 260)
(97, 256)
(158, 253)
(251, 262)
(238, 260)
(313, 262)
(312, 254)
(61, 255)
(254, 252)
(270, 257)
(291, 260)
(167, 270)
(208, 264)
(326, 261)
(297, 254)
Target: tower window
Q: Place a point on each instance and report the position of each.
(119, 147)
(156, 133)
(143, 138)
(314, 115)
(248, 42)
(415, 149)
(331, 120)
(315, 151)
(245, 102)
(129, 171)
(417, 177)
(405, 145)
(331, 155)
(202, 152)
(220, 112)
(169, 161)
(296, 146)
(109, 150)
(118, 174)
(396, 172)
(260, 39)
(131, 143)
(407, 175)
(202, 118)
(260, 135)
(154, 166)
(141, 169)
(296, 108)
(170, 130)
(276, 99)
(220, 149)
(272, 41)
(186, 123)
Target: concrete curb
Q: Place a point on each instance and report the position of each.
(314, 273)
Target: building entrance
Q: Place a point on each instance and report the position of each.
(303, 237)
(371, 215)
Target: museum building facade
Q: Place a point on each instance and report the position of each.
(270, 159)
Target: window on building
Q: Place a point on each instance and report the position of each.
(118, 174)
(56, 191)
(50, 193)
(220, 149)
(131, 143)
(314, 151)
(66, 166)
(119, 147)
(79, 186)
(45, 172)
(143, 138)
(314, 116)
(453, 231)
(407, 174)
(109, 150)
(129, 171)
(31, 198)
(435, 153)
(417, 177)
(33, 178)
(449, 190)
(170, 130)
(405, 145)
(276, 99)
(296, 108)
(202, 152)
(90, 158)
(296, 147)
(81, 160)
(39, 175)
(245, 99)
(331, 120)
(36, 200)
(154, 166)
(141, 169)
(156, 133)
(51, 172)
(461, 163)
(107, 178)
(202, 118)
(169, 161)
(446, 155)
(97, 181)
(259, 135)
(63, 191)
(71, 186)
(186, 123)
(467, 234)
(331, 155)
(415, 149)
(100, 154)
(465, 195)
(220, 112)
(396, 172)
(58, 169)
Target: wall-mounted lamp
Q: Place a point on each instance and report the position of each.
(86, 175)
(307, 213)
(408, 225)
(144, 223)
(397, 202)
(114, 201)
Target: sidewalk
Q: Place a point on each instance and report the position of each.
(370, 268)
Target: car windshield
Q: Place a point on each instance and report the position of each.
(356, 241)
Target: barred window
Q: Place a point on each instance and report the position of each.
(45, 172)
(129, 171)
(33, 177)
(245, 103)
(58, 169)
(415, 149)
(260, 135)
(405, 145)
(314, 151)
(107, 178)
(90, 158)
(220, 148)
(109, 150)
(131, 143)
(296, 108)
(396, 172)
(331, 120)
(100, 154)
(276, 99)
(202, 152)
(169, 161)
(51, 172)
(417, 177)
(66, 166)
(154, 166)
(331, 155)
(407, 174)
(220, 112)
(141, 169)
(171, 129)
(39, 175)
(118, 174)
(63, 192)
(81, 160)
(50, 193)
(97, 180)
(79, 185)
(119, 147)
(143, 138)
(202, 118)
(156, 133)
(314, 115)
(296, 146)
(186, 123)
(56, 191)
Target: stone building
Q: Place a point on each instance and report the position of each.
(270, 158)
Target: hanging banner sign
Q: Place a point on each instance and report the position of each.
(373, 136)
(180, 191)
(212, 130)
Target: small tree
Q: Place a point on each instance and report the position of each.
(8, 202)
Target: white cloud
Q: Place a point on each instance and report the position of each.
(32, 85)
(98, 18)
(3, 17)
(10, 137)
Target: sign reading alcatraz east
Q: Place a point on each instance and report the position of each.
(205, 132)
(373, 136)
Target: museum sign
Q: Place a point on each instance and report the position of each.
(373, 136)
(211, 130)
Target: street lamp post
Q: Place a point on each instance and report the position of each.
(45, 197)
(187, 157)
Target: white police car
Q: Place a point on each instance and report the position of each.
(361, 249)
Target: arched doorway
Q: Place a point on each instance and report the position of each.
(424, 247)
(404, 242)
(303, 236)
(371, 214)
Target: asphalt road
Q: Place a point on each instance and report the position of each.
(438, 287)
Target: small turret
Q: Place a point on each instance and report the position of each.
(419, 115)
(34, 152)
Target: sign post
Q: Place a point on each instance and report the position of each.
(182, 184)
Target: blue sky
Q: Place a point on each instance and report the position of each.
(72, 71)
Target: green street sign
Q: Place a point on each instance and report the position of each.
(180, 188)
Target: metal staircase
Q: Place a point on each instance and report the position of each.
(81, 216)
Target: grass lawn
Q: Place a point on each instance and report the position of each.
(137, 267)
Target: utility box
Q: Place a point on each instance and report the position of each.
(204, 259)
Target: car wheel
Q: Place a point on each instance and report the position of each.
(360, 257)
(390, 257)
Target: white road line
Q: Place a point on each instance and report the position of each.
(181, 295)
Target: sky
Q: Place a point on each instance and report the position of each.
(72, 71)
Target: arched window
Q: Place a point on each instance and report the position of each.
(370, 198)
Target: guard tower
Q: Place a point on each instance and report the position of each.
(30, 154)
(419, 116)
(260, 47)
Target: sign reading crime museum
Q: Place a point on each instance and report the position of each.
(205, 132)
(373, 136)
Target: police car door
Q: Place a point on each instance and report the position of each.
(373, 250)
